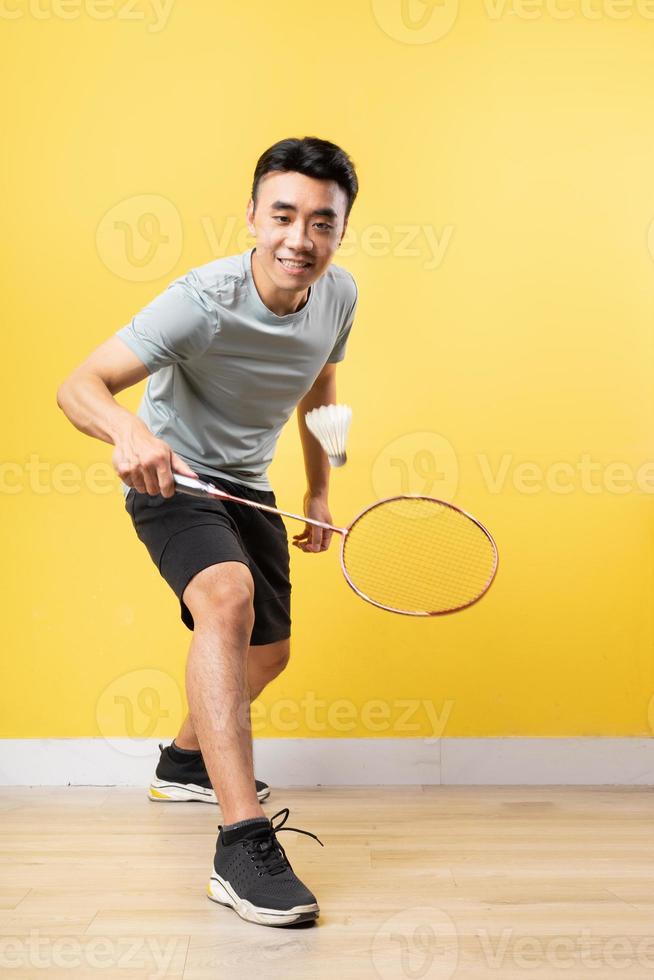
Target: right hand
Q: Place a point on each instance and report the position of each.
(147, 463)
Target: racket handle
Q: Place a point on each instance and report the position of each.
(196, 488)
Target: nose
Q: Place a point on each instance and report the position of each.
(297, 238)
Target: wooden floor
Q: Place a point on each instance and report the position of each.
(419, 882)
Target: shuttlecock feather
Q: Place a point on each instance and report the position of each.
(330, 425)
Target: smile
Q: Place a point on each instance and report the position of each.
(291, 264)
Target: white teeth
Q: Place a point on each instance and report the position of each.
(294, 265)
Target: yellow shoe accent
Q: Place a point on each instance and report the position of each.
(160, 796)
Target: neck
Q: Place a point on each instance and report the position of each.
(279, 303)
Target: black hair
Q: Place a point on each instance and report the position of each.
(312, 157)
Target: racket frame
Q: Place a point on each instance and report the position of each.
(410, 612)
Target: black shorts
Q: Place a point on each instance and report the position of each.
(185, 534)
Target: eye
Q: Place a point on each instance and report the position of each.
(280, 217)
(323, 226)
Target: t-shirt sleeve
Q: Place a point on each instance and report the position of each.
(338, 350)
(177, 325)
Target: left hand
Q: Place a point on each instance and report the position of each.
(314, 538)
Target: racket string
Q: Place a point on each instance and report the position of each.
(419, 555)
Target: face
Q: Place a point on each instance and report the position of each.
(294, 243)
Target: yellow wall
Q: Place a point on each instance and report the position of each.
(518, 138)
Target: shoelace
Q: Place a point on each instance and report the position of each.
(269, 851)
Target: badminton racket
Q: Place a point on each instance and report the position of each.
(410, 554)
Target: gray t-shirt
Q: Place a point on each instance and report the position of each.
(226, 372)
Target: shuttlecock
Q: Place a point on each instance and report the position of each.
(330, 425)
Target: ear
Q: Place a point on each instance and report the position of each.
(249, 217)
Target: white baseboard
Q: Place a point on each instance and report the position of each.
(349, 761)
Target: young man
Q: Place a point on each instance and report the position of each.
(232, 348)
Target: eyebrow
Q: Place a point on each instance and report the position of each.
(321, 212)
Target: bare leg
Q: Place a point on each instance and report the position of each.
(220, 600)
(265, 662)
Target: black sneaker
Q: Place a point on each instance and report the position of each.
(184, 782)
(253, 876)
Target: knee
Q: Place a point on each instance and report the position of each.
(272, 657)
(221, 594)
(282, 655)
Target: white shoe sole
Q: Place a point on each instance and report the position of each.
(220, 891)
(162, 791)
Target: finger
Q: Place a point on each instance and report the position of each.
(326, 538)
(304, 540)
(315, 538)
(179, 466)
(166, 482)
(151, 480)
(134, 479)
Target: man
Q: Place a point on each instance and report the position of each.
(231, 348)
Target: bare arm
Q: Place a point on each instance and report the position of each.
(316, 463)
(86, 397)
